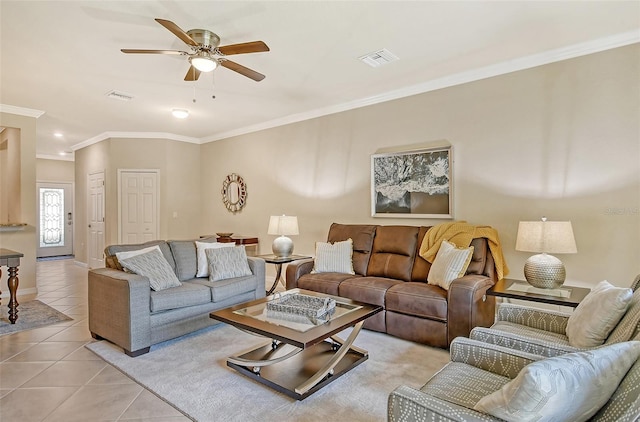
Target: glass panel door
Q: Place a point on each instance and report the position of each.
(55, 228)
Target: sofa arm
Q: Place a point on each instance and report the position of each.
(119, 308)
(553, 321)
(257, 266)
(542, 346)
(406, 404)
(468, 305)
(490, 357)
(297, 269)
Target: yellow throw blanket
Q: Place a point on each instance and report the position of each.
(461, 234)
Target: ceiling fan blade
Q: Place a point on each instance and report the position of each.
(192, 74)
(177, 31)
(252, 74)
(137, 51)
(246, 47)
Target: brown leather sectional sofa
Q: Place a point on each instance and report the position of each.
(391, 273)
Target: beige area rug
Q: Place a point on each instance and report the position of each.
(191, 374)
(31, 314)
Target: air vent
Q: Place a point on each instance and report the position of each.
(378, 58)
(118, 95)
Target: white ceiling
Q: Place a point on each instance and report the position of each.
(63, 57)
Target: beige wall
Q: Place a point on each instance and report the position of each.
(179, 167)
(561, 140)
(25, 240)
(54, 170)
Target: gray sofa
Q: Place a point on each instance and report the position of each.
(124, 310)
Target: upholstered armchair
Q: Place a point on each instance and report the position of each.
(478, 370)
(544, 332)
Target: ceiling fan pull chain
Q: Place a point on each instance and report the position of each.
(213, 86)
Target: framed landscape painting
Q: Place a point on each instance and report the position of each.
(413, 184)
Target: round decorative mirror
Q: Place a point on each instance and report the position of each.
(234, 193)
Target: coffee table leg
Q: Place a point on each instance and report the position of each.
(327, 369)
(257, 364)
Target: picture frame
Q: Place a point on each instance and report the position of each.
(412, 184)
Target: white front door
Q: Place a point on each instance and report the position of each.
(95, 217)
(138, 193)
(55, 217)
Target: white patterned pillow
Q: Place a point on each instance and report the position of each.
(227, 263)
(597, 315)
(155, 267)
(629, 324)
(571, 387)
(201, 257)
(334, 257)
(451, 262)
(128, 254)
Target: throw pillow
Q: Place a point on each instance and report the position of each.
(155, 267)
(598, 313)
(201, 257)
(334, 257)
(629, 324)
(451, 262)
(571, 387)
(227, 263)
(129, 254)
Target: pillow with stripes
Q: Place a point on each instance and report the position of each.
(451, 262)
(334, 257)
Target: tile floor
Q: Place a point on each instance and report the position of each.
(46, 374)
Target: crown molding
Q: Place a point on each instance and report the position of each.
(135, 135)
(68, 157)
(20, 111)
(522, 63)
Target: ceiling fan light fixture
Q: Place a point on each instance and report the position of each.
(180, 113)
(203, 63)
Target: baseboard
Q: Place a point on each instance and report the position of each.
(81, 264)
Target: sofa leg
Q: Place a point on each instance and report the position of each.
(137, 352)
(97, 337)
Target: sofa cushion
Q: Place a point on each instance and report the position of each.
(451, 263)
(418, 299)
(334, 257)
(393, 252)
(479, 257)
(224, 289)
(629, 325)
(597, 315)
(367, 289)
(184, 254)
(111, 261)
(571, 387)
(153, 266)
(327, 283)
(188, 294)
(225, 263)
(362, 236)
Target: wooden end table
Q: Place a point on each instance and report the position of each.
(278, 261)
(517, 289)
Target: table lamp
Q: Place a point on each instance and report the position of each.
(283, 226)
(543, 270)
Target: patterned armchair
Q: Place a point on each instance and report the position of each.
(478, 369)
(542, 332)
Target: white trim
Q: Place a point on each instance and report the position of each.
(69, 157)
(20, 111)
(80, 264)
(135, 135)
(509, 66)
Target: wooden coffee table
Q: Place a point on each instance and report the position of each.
(301, 357)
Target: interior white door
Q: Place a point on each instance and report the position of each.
(139, 220)
(95, 217)
(55, 217)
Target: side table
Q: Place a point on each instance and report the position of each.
(278, 261)
(516, 289)
(11, 259)
(250, 242)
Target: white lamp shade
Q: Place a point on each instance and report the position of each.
(546, 237)
(283, 225)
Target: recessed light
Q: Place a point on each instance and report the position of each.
(180, 113)
(57, 135)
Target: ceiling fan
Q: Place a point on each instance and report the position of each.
(206, 54)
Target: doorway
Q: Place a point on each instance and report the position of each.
(55, 219)
(138, 200)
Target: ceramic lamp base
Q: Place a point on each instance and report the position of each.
(282, 246)
(544, 271)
